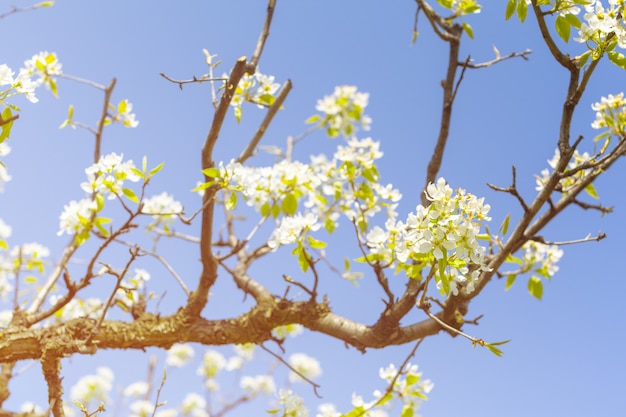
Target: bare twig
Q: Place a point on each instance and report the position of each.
(15, 10)
(195, 79)
(105, 111)
(284, 362)
(498, 59)
(254, 143)
(512, 189)
(265, 32)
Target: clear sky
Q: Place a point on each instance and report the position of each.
(566, 355)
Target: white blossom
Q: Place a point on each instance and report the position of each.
(163, 207)
(93, 387)
(76, 217)
(305, 366)
(212, 363)
(179, 354)
(258, 384)
(108, 175)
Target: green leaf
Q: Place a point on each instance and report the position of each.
(582, 59)
(137, 172)
(290, 204)
(535, 287)
(618, 59)
(265, 209)
(468, 29)
(302, 261)
(562, 28)
(414, 38)
(238, 114)
(510, 279)
(203, 186)
(510, 9)
(573, 20)
(53, 87)
(313, 119)
(370, 174)
(329, 225)
(513, 259)
(355, 412)
(211, 172)
(407, 411)
(6, 128)
(316, 244)
(597, 53)
(231, 203)
(493, 349)
(99, 202)
(275, 210)
(591, 190)
(504, 227)
(98, 222)
(267, 99)
(522, 10)
(121, 107)
(130, 194)
(412, 379)
(157, 168)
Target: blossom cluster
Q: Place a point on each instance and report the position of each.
(570, 181)
(4, 174)
(107, 176)
(259, 89)
(123, 114)
(409, 386)
(611, 114)
(28, 257)
(444, 234)
(541, 258)
(342, 112)
(41, 69)
(601, 24)
(164, 209)
(316, 194)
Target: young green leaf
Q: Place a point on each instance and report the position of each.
(504, 227)
(290, 204)
(510, 9)
(316, 244)
(522, 10)
(468, 29)
(211, 172)
(130, 194)
(156, 169)
(562, 28)
(535, 287)
(591, 190)
(510, 279)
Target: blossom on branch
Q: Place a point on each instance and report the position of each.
(342, 112)
(107, 176)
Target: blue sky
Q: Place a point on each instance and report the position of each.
(566, 354)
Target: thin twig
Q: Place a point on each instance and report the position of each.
(523, 55)
(195, 79)
(313, 384)
(265, 32)
(254, 143)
